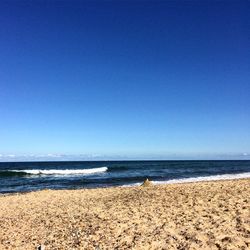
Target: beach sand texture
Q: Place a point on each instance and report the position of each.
(207, 215)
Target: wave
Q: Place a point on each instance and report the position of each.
(53, 171)
(197, 179)
(6, 173)
(206, 178)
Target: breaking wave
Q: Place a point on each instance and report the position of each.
(197, 179)
(24, 172)
(206, 178)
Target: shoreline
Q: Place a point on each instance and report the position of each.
(200, 215)
(155, 183)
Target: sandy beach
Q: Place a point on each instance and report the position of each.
(206, 215)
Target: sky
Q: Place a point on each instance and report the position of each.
(124, 80)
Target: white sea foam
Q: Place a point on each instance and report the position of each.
(63, 171)
(206, 178)
(132, 185)
(197, 179)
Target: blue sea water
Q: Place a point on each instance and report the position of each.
(31, 176)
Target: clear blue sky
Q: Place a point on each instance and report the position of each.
(125, 79)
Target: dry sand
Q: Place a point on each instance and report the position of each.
(208, 215)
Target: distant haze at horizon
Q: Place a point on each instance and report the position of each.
(117, 157)
(124, 80)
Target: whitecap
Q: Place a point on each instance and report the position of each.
(62, 171)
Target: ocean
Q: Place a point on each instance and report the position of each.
(31, 176)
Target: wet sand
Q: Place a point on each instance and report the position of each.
(205, 215)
